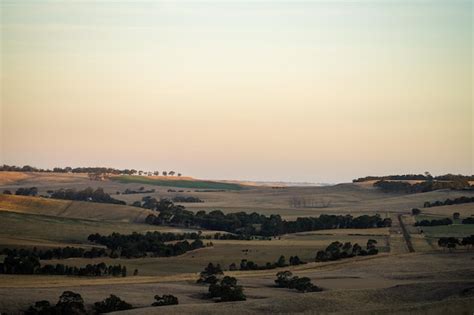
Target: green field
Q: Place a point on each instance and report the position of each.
(456, 230)
(195, 184)
(436, 217)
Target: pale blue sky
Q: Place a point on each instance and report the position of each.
(302, 91)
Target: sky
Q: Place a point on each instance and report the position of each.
(259, 90)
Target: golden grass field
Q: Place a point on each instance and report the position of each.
(428, 281)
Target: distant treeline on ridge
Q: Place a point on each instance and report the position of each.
(426, 176)
(426, 186)
(254, 223)
(85, 170)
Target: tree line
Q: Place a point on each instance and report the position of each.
(426, 176)
(337, 250)
(71, 303)
(140, 190)
(434, 222)
(448, 202)
(84, 170)
(285, 279)
(405, 187)
(452, 242)
(445, 221)
(254, 223)
(88, 194)
(30, 264)
(280, 263)
(57, 253)
(137, 245)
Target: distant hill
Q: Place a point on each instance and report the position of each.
(177, 182)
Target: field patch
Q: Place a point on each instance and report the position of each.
(178, 183)
(72, 209)
(35, 228)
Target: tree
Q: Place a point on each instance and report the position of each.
(165, 300)
(7, 192)
(171, 173)
(210, 274)
(40, 308)
(164, 173)
(415, 211)
(456, 215)
(227, 290)
(71, 303)
(449, 242)
(281, 261)
(111, 304)
(283, 279)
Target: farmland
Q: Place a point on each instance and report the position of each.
(384, 282)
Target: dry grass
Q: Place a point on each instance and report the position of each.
(43, 228)
(428, 281)
(72, 209)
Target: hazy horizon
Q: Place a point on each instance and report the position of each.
(320, 92)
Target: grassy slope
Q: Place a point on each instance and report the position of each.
(185, 183)
(44, 228)
(72, 209)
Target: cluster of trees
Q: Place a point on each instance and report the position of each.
(88, 194)
(281, 262)
(112, 304)
(187, 199)
(449, 202)
(166, 299)
(434, 222)
(152, 203)
(285, 279)
(30, 264)
(405, 187)
(254, 223)
(137, 245)
(229, 236)
(57, 253)
(141, 190)
(88, 170)
(71, 303)
(452, 242)
(226, 290)
(24, 191)
(308, 202)
(426, 176)
(210, 274)
(468, 220)
(337, 250)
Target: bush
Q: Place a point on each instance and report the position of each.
(111, 304)
(165, 300)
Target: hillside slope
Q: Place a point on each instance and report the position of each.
(72, 209)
